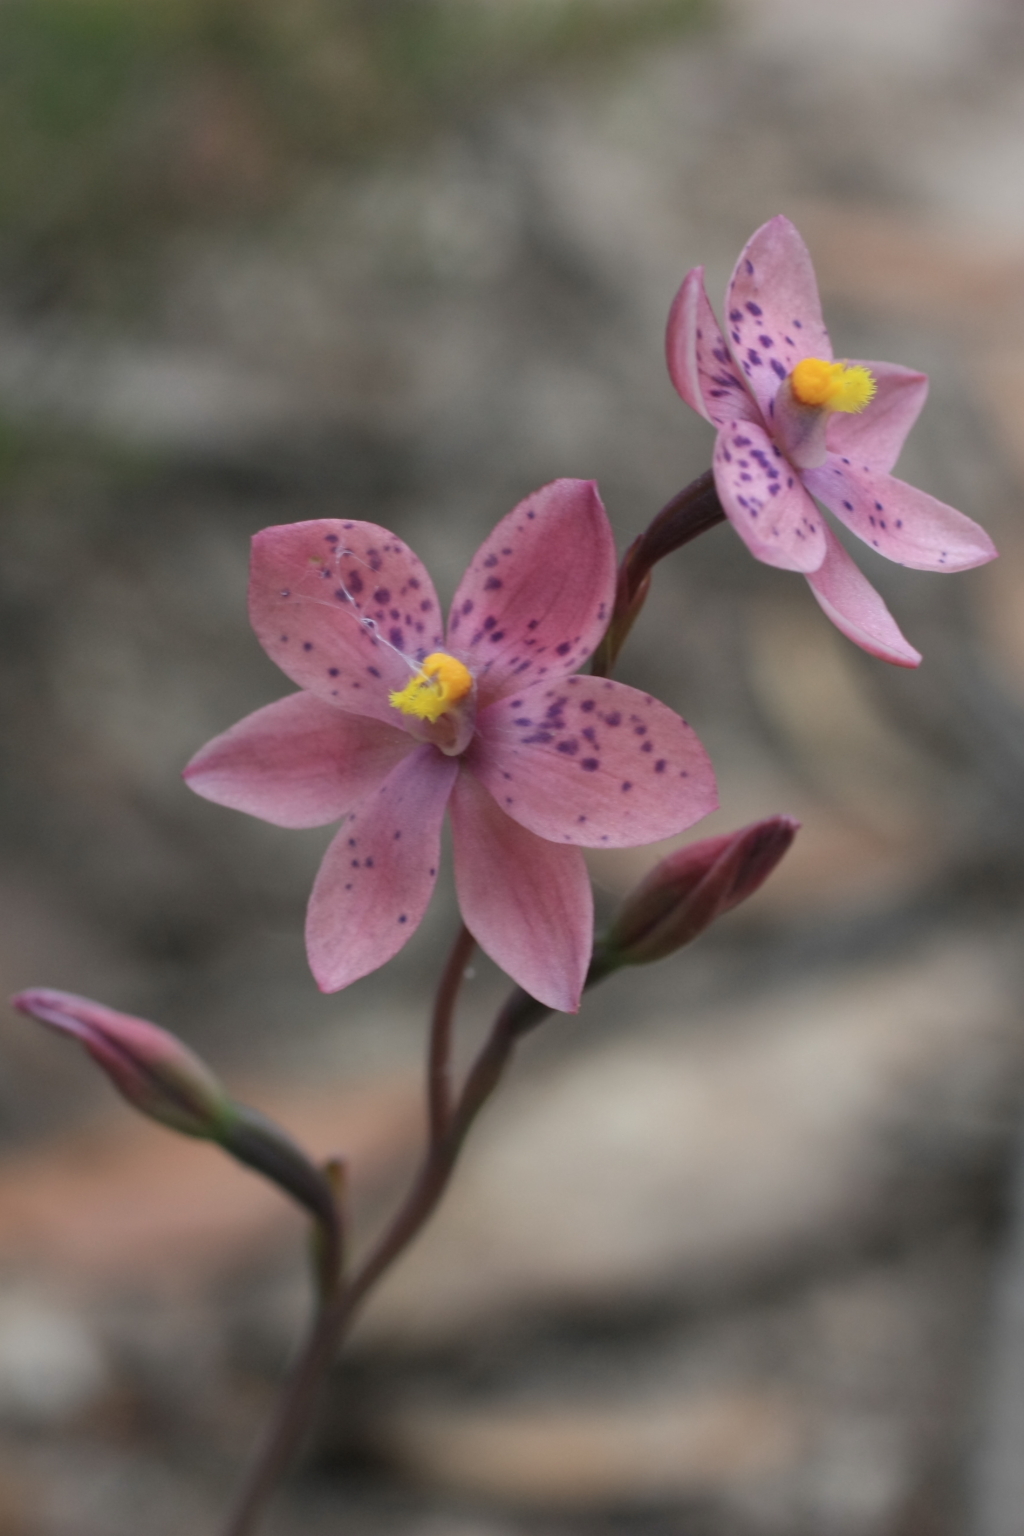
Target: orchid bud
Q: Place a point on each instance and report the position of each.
(690, 889)
(148, 1066)
(162, 1078)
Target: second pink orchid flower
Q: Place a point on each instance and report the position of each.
(787, 438)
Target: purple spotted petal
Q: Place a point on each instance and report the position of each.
(876, 435)
(537, 596)
(764, 500)
(593, 762)
(340, 606)
(298, 763)
(855, 608)
(699, 361)
(901, 522)
(377, 876)
(773, 312)
(526, 901)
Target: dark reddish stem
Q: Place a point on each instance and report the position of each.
(448, 1125)
(694, 511)
(439, 1060)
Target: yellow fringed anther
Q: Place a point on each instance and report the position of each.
(833, 386)
(441, 682)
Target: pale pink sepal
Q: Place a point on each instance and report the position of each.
(343, 608)
(538, 593)
(299, 762)
(855, 608)
(526, 901)
(377, 876)
(763, 498)
(899, 521)
(699, 362)
(773, 313)
(593, 762)
(873, 438)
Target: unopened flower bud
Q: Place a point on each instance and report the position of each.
(152, 1069)
(162, 1078)
(690, 889)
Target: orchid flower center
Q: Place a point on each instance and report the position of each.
(440, 684)
(832, 386)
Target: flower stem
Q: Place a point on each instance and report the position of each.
(449, 1125)
(693, 511)
(439, 1060)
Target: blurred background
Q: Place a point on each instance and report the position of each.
(737, 1251)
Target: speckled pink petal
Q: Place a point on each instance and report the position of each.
(855, 608)
(592, 762)
(876, 435)
(901, 522)
(339, 606)
(764, 500)
(773, 312)
(537, 596)
(377, 876)
(297, 763)
(526, 901)
(699, 362)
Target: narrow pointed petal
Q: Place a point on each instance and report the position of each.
(378, 874)
(773, 312)
(341, 607)
(298, 762)
(901, 522)
(593, 762)
(764, 500)
(855, 608)
(875, 436)
(699, 362)
(526, 901)
(539, 591)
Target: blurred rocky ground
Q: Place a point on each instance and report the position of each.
(735, 1254)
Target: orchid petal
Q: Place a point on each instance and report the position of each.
(901, 522)
(593, 762)
(855, 608)
(297, 763)
(773, 312)
(699, 362)
(764, 500)
(539, 591)
(344, 609)
(378, 874)
(876, 435)
(526, 901)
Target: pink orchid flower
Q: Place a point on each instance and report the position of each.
(395, 723)
(795, 426)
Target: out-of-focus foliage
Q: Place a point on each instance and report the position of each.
(119, 118)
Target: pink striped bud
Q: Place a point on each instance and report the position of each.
(162, 1078)
(152, 1069)
(690, 889)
